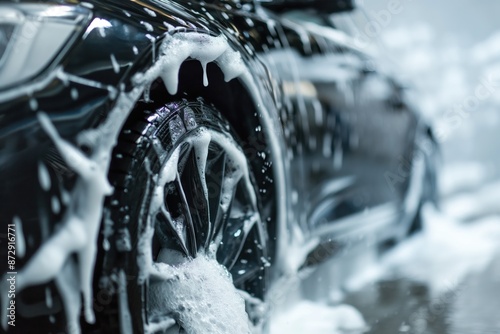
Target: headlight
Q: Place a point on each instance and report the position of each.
(31, 36)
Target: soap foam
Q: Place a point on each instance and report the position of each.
(201, 297)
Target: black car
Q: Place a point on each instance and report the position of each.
(155, 154)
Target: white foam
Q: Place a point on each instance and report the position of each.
(201, 297)
(67, 283)
(487, 50)
(43, 176)
(20, 242)
(178, 47)
(309, 317)
(114, 62)
(147, 25)
(168, 173)
(201, 143)
(74, 93)
(151, 13)
(33, 104)
(55, 204)
(48, 297)
(237, 161)
(461, 177)
(448, 250)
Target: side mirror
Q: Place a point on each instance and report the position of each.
(321, 6)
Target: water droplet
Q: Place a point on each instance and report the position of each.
(56, 205)
(147, 25)
(114, 62)
(33, 104)
(44, 177)
(48, 297)
(74, 93)
(106, 245)
(150, 12)
(102, 32)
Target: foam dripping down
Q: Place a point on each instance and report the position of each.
(178, 47)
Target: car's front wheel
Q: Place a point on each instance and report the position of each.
(183, 228)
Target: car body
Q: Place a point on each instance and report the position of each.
(334, 146)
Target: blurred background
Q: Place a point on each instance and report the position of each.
(446, 279)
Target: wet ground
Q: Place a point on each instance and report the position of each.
(406, 306)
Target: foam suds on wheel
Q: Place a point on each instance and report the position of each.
(83, 212)
(198, 293)
(240, 169)
(201, 296)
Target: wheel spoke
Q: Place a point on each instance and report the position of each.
(245, 272)
(189, 218)
(166, 223)
(235, 235)
(217, 169)
(201, 146)
(196, 201)
(231, 177)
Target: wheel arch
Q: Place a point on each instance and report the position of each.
(248, 102)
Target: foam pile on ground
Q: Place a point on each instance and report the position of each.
(448, 249)
(309, 317)
(201, 296)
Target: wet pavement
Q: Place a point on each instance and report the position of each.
(406, 306)
(402, 306)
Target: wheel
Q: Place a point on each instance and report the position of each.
(183, 227)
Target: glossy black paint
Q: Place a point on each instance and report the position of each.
(371, 134)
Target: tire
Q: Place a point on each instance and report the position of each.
(184, 190)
